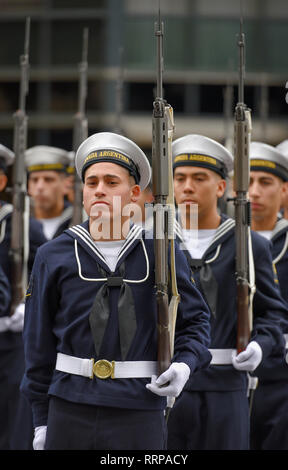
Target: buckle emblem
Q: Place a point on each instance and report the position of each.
(104, 369)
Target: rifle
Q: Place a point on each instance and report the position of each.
(119, 95)
(80, 132)
(19, 246)
(163, 214)
(242, 132)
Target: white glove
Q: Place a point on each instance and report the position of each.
(248, 359)
(177, 376)
(16, 321)
(39, 437)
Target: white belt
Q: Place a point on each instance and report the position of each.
(286, 340)
(221, 356)
(4, 324)
(104, 369)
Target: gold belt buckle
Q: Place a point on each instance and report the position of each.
(104, 369)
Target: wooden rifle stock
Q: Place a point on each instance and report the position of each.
(243, 324)
(164, 354)
(161, 282)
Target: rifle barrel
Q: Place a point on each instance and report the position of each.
(242, 208)
(19, 229)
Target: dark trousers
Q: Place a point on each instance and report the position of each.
(209, 421)
(85, 427)
(16, 428)
(269, 418)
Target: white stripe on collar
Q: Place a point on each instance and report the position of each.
(5, 210)
(280, 225)
(221, 230)
(133, 281)
(133, 234)
(2, 230)
(86, 237)
(283, 251)
(178, 229)
(66, 214)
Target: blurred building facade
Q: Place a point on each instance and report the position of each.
(200, 73)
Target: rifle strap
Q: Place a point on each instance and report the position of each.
(26, 245)
(252, 285)
(175, 299)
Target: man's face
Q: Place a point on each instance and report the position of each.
(195, 185)
(47, 189)
(3, 181)
(108, 188)
(265, 194)
(284, 200)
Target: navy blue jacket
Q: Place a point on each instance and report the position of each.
(36, 238)
(8, 339)
(276, 368)
(269, 310)
(62, 289)
(280, 254)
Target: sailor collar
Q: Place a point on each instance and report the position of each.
(66, 214)
(82, 235)
(223, 232)
(5, 210)
(280, 228)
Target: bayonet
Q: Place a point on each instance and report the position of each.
(19, 248)
(119, 95)
(80, 127)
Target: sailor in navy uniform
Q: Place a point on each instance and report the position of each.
(36, 237)
(212, 413)
(268, 186)
(15, 411)
(92, 295)
(47, 186)
(8, 390)
(283, 148)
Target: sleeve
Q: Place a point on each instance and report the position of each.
(36, 239)
(270, 311)
(39, 340)
(192, 332)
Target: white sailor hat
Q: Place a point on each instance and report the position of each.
(283, 147)
(6, 157)
(264, 157)
(44, 157)
(198, 150)
(113, 148)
